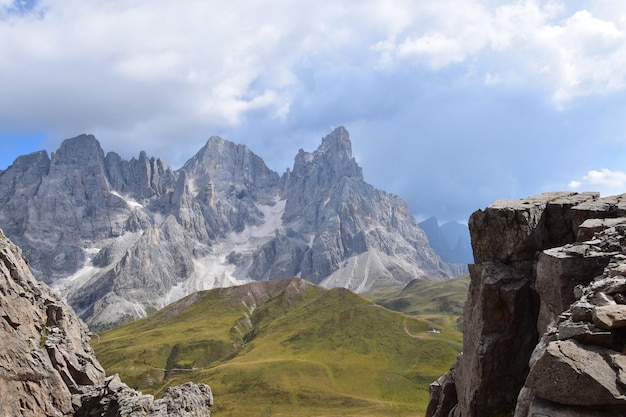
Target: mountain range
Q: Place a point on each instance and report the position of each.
(120, 239)
(451, 240)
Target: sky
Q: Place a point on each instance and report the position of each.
(450, 104)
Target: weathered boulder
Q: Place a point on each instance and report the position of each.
(578, 366)
(559, 271)
(609, 316)
(47, 367)
(515, 230)
(501, 311)
(572, 374)
(115, 398)
(44, 351)
(592, 226)
(611, 207)
(531, 405)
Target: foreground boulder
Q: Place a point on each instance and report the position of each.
(544, 321)
(47, 367)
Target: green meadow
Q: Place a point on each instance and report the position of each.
(288, 348)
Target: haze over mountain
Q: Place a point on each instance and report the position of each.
(451, 240)
(121, 238)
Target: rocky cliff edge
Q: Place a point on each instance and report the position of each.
(47, 366)
(545, 317)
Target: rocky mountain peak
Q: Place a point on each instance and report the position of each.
(228, 167)
(330, 164)
(337, 142)
(79, 150)
(211, 157)
(39, 158)
(119, 238)
(450, 240)
(141, 178)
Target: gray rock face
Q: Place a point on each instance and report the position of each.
(573, 374)
(47, 367)
(551, 266)
(346, 229)
(114, 398)
(572, 265)
(121, 238)
(443, 396)
(44, 348)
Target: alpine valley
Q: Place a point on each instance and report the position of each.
(120, 239)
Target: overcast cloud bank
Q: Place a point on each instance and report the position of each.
(450, 104)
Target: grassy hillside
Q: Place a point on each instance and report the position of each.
(285, 348)
(440, 302)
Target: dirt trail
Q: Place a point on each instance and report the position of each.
(406, 330)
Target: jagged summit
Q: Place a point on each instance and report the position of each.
(338, 142)
(78, 150)
(334, 156)
(230, 168)
(121, 238)
(34, 158)
(144, 177)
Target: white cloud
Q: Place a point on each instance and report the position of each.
(606, 178)
(575, 185)
(605, 181)
(152, 70)
(191, 59)
(588, 56)
(440, 50)
(219, 60)
(570, 53)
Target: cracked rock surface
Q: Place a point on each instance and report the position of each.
(545, 318)
(47, 367)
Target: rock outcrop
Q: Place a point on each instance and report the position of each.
(47, 367)
(544, 319)
(119, 239)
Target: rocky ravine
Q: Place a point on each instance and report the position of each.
(545, 317)
(47, 367)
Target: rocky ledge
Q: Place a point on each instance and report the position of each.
(47, 367)
(545, 317)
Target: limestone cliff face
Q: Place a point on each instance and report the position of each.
(339, 231)
(543, 334)
(119, 238)
(47, 367)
